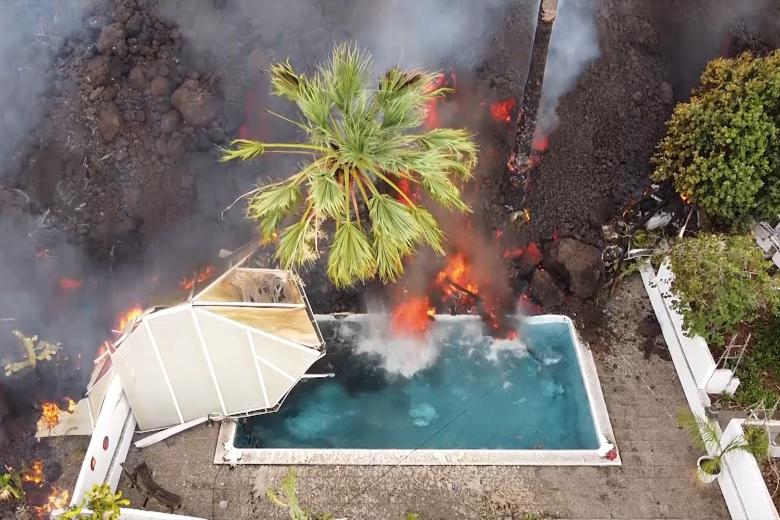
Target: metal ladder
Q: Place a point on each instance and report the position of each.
(734, 351)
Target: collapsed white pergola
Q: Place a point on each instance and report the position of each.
(236, 348)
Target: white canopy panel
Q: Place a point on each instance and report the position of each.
(217, 357)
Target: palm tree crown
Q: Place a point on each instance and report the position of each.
(362, 145)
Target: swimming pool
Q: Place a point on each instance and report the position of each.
(458, 397)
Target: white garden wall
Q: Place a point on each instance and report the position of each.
(741, 472)
(741, 483)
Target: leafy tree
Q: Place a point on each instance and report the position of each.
(722, 148)
(101, 502)
(361, 146)
(722, 282)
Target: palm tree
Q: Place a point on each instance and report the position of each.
(707, 437)
(361, 147)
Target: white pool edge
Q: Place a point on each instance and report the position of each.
(227, 453)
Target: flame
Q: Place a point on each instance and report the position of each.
(71, 405)
(197, 278)
(501, 111)
(128, 317)
(58, 499)
(34, 474)
(457, 270)
(50, 414)
(414, 316)
(69, 284)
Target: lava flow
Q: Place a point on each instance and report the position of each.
(503, 110)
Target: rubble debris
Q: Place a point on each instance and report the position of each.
(578, 263)
(545, 290)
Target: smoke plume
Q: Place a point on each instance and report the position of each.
(573, 44)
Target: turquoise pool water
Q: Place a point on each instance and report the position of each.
(474, 393)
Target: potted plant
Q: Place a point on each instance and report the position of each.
(706, 436)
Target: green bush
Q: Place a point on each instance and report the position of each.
(721, 282)
(722, 148)
(759, 369)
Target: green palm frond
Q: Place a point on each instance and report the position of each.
(296, 246)
(315, 102)
(430, 232)
(285, 81)
(346, 74)
(326, 194)
(391, 218)
(351, 257)
(457, 145)
(363, 139)
(275, 197)
(243, 149)
(395, 232)
(703, 431)
(442, 190)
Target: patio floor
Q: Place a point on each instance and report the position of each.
(657, 479)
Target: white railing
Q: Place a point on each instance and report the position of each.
(741, 483)
(742, 474)
(109, 444)
(708, 377)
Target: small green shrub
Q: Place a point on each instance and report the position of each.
(759, 369)
(722, 148)
(757, 438)
(721, 282)
(103, 504)
(10, 486)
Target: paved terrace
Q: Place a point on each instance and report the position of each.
(657, 479)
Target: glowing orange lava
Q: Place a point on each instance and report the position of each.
(413, 316)
(501, 111)
(58, 499)
(34, 474)
(50, 414)
(69, 284)
(540, 142)
(128, 317)
(197, 278)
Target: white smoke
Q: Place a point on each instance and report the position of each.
(573, 44)
(405, 356)
(31, 34)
